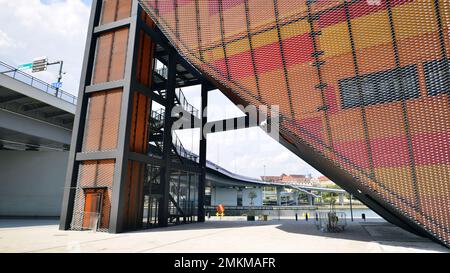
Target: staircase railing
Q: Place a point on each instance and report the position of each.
(185, 104)
(158, 116)
(181, 150)
(164, 72)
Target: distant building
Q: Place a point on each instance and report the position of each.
(292, 179)
(270, 178)
(322, 181)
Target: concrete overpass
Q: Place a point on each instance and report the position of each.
(35, 132)
(219, 178)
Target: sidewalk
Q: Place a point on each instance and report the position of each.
(226, 235)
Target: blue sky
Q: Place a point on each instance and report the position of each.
(57, 29)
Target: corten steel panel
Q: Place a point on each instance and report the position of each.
(93, 174)
(363, 83)
(115, 10)
(102, 122)
(111, 56)
(142, 104)
(134, 194)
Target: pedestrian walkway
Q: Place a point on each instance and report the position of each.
(226, 235)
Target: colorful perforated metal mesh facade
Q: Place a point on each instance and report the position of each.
(365, 83)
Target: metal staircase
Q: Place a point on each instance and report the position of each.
(178, 152)
(180, 98)
(156, 139)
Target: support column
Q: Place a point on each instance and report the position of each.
(279, 190)
(341, 199)
(163, 215)
(203, 147)
(310, 200)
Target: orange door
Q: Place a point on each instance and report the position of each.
(92, 209)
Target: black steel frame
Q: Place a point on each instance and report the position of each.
(129, 85)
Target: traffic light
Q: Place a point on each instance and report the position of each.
(39, 64)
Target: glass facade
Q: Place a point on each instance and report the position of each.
(184, 197)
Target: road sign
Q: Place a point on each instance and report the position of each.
(25, 66)
(57, 84)
(39, 64)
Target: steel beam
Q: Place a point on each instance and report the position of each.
(146, 159)
(202, 159)
(96, 156)
(112, 26)
(163, 214)
(149, 93)
(105, 86)
(226, 125)
(233, 124)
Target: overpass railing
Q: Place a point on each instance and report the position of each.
(21, 76)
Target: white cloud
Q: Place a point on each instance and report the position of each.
(6, 41)
(30, 28)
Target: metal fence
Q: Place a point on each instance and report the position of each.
(21, 76)
(272, 213)
(331, 221)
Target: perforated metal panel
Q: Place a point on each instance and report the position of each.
(93, 175)
(364, 83)
(102, 126)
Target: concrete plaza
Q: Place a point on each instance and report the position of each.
(232, 235)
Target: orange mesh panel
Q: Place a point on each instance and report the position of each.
(134, 194)
(115, 10)
(102, 124)
(94, 174)
(111, 56)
